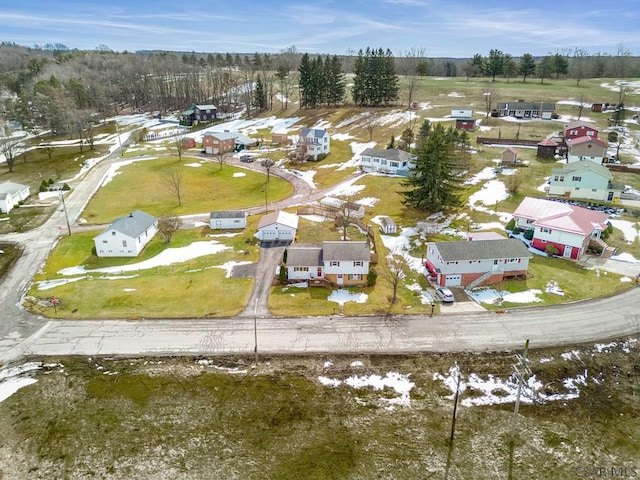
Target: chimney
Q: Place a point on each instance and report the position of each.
(131, 215)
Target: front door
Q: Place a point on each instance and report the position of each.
(567, 251)
(340, 279)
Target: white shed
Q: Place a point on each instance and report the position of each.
(228, 219)
(387, 225)
(278, 226)
(462, 112)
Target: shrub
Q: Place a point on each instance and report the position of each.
(66, 187)
(551, 250)
(372, 277)
(282, 274)
(528, 234)
(517, 230)
(511, 225)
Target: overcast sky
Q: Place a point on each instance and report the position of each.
(443, 28)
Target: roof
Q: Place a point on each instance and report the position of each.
(222, 135)
(133, 224)
(228, 214)
(394, 154)
(304, 255)
(547, 142)
(316, 132)
(476, 236)
(581, 166)
(205, 107)
(526, 106)
(243, 139)
(348, 251)
(572, 142)
(561, 216)
(511, 150)
(482, 250)
(283, 218)
(577, 124)
(387, 221)
(7, 188)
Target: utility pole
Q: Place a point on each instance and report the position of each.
(64, 207)
(521, 370)
(453, 424)
(255, 331)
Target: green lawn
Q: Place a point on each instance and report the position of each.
(203, 189)
(188, 289)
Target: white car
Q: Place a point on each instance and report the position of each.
(445, 294)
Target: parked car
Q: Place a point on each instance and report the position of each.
(444, 294)
(246, 158)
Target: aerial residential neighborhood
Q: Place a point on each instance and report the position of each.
(304, 246)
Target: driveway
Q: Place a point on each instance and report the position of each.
(270, 258)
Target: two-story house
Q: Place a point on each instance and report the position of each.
(126, 236)
(579, 129)
(585, 180)
(218, 142)
(198, 113)
(567, 227)
(314, 142)
(335, 262)
(586, 148)
(475, 263)
(390, 161)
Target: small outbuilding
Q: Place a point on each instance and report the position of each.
(126, 236)
(547, 148)
(387, 225)
(228, 220)
(278, 226)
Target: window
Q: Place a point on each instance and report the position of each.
(531, 220)
(300, 269)
(562, 178)
(545, 230)
(104, 241)
(113, 233)
(355, 276)
(124, 243)
(334, 263)
(383, 162)
(555, 179)
(576, 179)
(474, 261)
(511, 260)
(358, 263)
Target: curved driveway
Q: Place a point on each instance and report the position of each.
(22, 333)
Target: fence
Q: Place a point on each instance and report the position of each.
(506, 141)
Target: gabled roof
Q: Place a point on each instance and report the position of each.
(133, 224)
(511, 150)
(228, 214)
(578, 124)
(283, 218)
(222, 135)
(347, 251)
(244, 140)
(205, 107)
(482, 250)
(572, 142)
(304, 255)
(394, 154)
(561, 216)
(7, 188)
(316, 132)
(526, 106)
(583, 166)
(547, 142)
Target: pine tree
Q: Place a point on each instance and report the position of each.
(260, 98)
(359, 82)
(306, 86)
(495, 63)
(526, 66)
(434, 184)
(375, 82)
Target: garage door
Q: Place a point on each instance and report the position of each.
(453, 280)
(269, 234)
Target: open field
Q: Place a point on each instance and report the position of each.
(326, 417)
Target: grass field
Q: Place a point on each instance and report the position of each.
(168, 418)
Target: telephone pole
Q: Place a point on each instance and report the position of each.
(521, 370)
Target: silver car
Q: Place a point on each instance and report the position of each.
(445, 294)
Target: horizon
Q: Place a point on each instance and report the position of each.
(437, 28)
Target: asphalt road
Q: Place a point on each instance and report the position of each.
(22, 333)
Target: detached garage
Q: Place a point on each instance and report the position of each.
(278, 226)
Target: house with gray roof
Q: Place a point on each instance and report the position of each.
(126, 236)
(476, 263)
(314, 142)
(390, 161)
(11, 194)
(521, 109)
(199, 113)
(228, 220)
(338, 263)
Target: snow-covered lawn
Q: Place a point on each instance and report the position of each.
(342, 296)
(394, 381)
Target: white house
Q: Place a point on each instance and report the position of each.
(338, 263)
(390, 161)
(315, 141)
(11, 194)
(586, 148)
(585, 180)
(567, 227)
(126, 236)
(228, 219)
(277, 226)
(478, 262)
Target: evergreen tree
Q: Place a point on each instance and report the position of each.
(526, 66)
(510, 66)
(260, 95)
(305, 83)
(359, 69)
(434, 184)
(375, 82)
(494, 64)
(335, 81)
(560, 65)
(545, 68)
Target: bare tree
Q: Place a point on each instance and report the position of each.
(513, 182)
(370, 124)
(173, 181)
(395, 275)
(168, 225)
(10, 146)
(178, 146)
(220, 156)
(582, 101)
(490, 96)
(267, 164)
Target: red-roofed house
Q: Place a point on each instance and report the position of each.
(567, 227)
(579, 129)
(586, 148)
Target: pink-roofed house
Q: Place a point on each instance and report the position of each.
(586, 148)
(567, 227)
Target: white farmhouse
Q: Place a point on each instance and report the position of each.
(314, 141)
(126, 236)
(11, 194)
